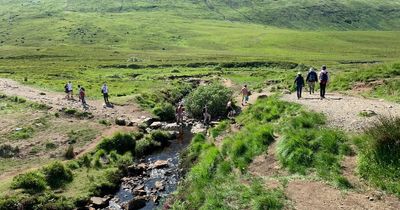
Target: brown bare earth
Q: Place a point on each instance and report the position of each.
(55, 131)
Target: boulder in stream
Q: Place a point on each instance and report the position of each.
(99, 202)
(160, 164)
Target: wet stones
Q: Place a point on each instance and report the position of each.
(160, 164)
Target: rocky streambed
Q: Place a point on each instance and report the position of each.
(153, 178)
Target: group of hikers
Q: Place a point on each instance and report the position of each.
(68, 88)
(311, 79)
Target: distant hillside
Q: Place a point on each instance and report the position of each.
(297, 14)
(181, 30)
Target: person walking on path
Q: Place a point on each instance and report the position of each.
(299, 82)
(245, 95)
(323, 81)
(82, 97)
(312, 78)
(206, 115)
(70, 91)
(229, 108)
(179, 114)
(104, 91)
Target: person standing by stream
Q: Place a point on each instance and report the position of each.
(299, 82)
(179, 114)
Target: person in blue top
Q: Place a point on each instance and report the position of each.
(299, 82)
(312, 78)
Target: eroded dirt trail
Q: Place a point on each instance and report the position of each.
(344, 111)
(58, 101)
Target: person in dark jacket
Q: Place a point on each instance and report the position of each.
(312, 78)
(299, 82)
(323, 81)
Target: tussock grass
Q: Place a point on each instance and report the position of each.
(379, 158)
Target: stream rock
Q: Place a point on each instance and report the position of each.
(160, 164)
(98, 202)
(159, 185)
(171, 127)
(156, 125)
(198, 128)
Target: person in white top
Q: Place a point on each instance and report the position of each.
(70, 90)
(104, 90)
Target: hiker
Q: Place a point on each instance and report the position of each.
(69, 90)
(229, 108)
(312, 78)
(82, 96)
(206, 115)
(245, 95)
(104, 91)
(179, 113)
(66, 90)
(299, 82)
(323, 81)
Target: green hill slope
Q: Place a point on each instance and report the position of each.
(298, 14)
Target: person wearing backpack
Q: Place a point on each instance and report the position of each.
(312, 78)
(299, 82)
(206, 115)
(70, 89)
(323, 81)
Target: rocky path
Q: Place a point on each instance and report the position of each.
(345, 112)
(58, 101)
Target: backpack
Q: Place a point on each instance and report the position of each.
(313, 77)
(324, 77)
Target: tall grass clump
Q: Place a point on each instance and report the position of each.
(305, 146)
(379, 158)
(120, 142)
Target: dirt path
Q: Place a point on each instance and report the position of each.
(57, 101)
(307, 193)
(344, 111)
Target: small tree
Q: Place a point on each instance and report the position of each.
(70, 154)
(215, 96)
(57, 175)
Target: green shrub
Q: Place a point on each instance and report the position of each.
(57, 175)
(215, 96)
(146, 146)
(120, 142)
(32, 182)
(161, 136)
(165, 111)
(8, 203)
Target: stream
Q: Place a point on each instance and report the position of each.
(159, 177)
